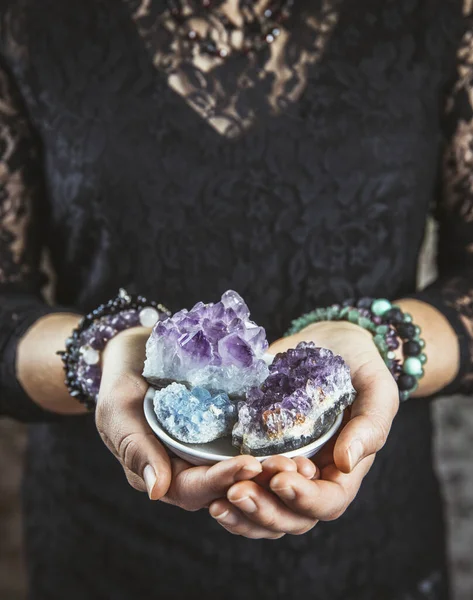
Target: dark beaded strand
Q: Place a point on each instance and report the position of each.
(93, 332)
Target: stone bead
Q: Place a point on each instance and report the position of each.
(366, 323)
(148, 316)
(333, 312)
(364, 303)
(393, 343)
(382, 329)
(421, 343)
(413, 366)
(417, 328)
(353, 316)
(407, 318)
(411, 348)
(90, 356)
(406, 382)
(381, 344)
(406, 330)
(394, 315)
(423, 358)
(380, 306)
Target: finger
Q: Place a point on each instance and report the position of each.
(231, 519)
(272, 466)
(122, 425)
(371, 416)
(196, 487)
(265, 510)
(306, 467)
(324, 499)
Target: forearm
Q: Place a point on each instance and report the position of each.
(442, 349)
(39, 368)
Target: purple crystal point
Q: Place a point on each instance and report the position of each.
(196, 345)
(233, 301)
(214, 330)
(214, 346)
(233, 348)
(306, 389)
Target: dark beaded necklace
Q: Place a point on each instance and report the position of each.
(257, 31)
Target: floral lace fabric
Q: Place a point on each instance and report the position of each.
(19, 182)
(299, 177)
(455, 208)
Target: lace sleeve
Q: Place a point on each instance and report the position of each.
(19, 183)
(21, 196)
(452, 293)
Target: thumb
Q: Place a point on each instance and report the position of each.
(122, 426)
(372, 414)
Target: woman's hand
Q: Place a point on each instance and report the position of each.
(293, 503)
(121, 423)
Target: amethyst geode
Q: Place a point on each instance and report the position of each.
(213, 346)
(306, 389)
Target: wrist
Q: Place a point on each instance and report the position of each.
(442, 343)
(38, 368)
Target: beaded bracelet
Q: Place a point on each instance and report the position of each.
(388, 323)
(82, 356)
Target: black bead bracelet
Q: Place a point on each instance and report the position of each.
(82, 355)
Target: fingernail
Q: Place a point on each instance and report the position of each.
(355, 452)
(227, 517)
(221, 516)
(287, 493)
(245, 504)
(249, 471)
(150, 478)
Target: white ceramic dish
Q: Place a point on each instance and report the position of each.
(213, 452)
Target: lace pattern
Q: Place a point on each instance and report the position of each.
(17, 186)
(455, 209)
(228, 103)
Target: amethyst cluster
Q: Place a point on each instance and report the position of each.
(306, 389)
(214, 346)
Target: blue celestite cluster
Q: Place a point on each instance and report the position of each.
(194, 416)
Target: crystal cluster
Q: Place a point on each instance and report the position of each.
(214, 346)
(306, 389)
(194, 416)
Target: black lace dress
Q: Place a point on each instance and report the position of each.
(298, 176)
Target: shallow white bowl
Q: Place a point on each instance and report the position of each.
(213, 452)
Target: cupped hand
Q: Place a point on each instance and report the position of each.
(122, 426)
(291, 502)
